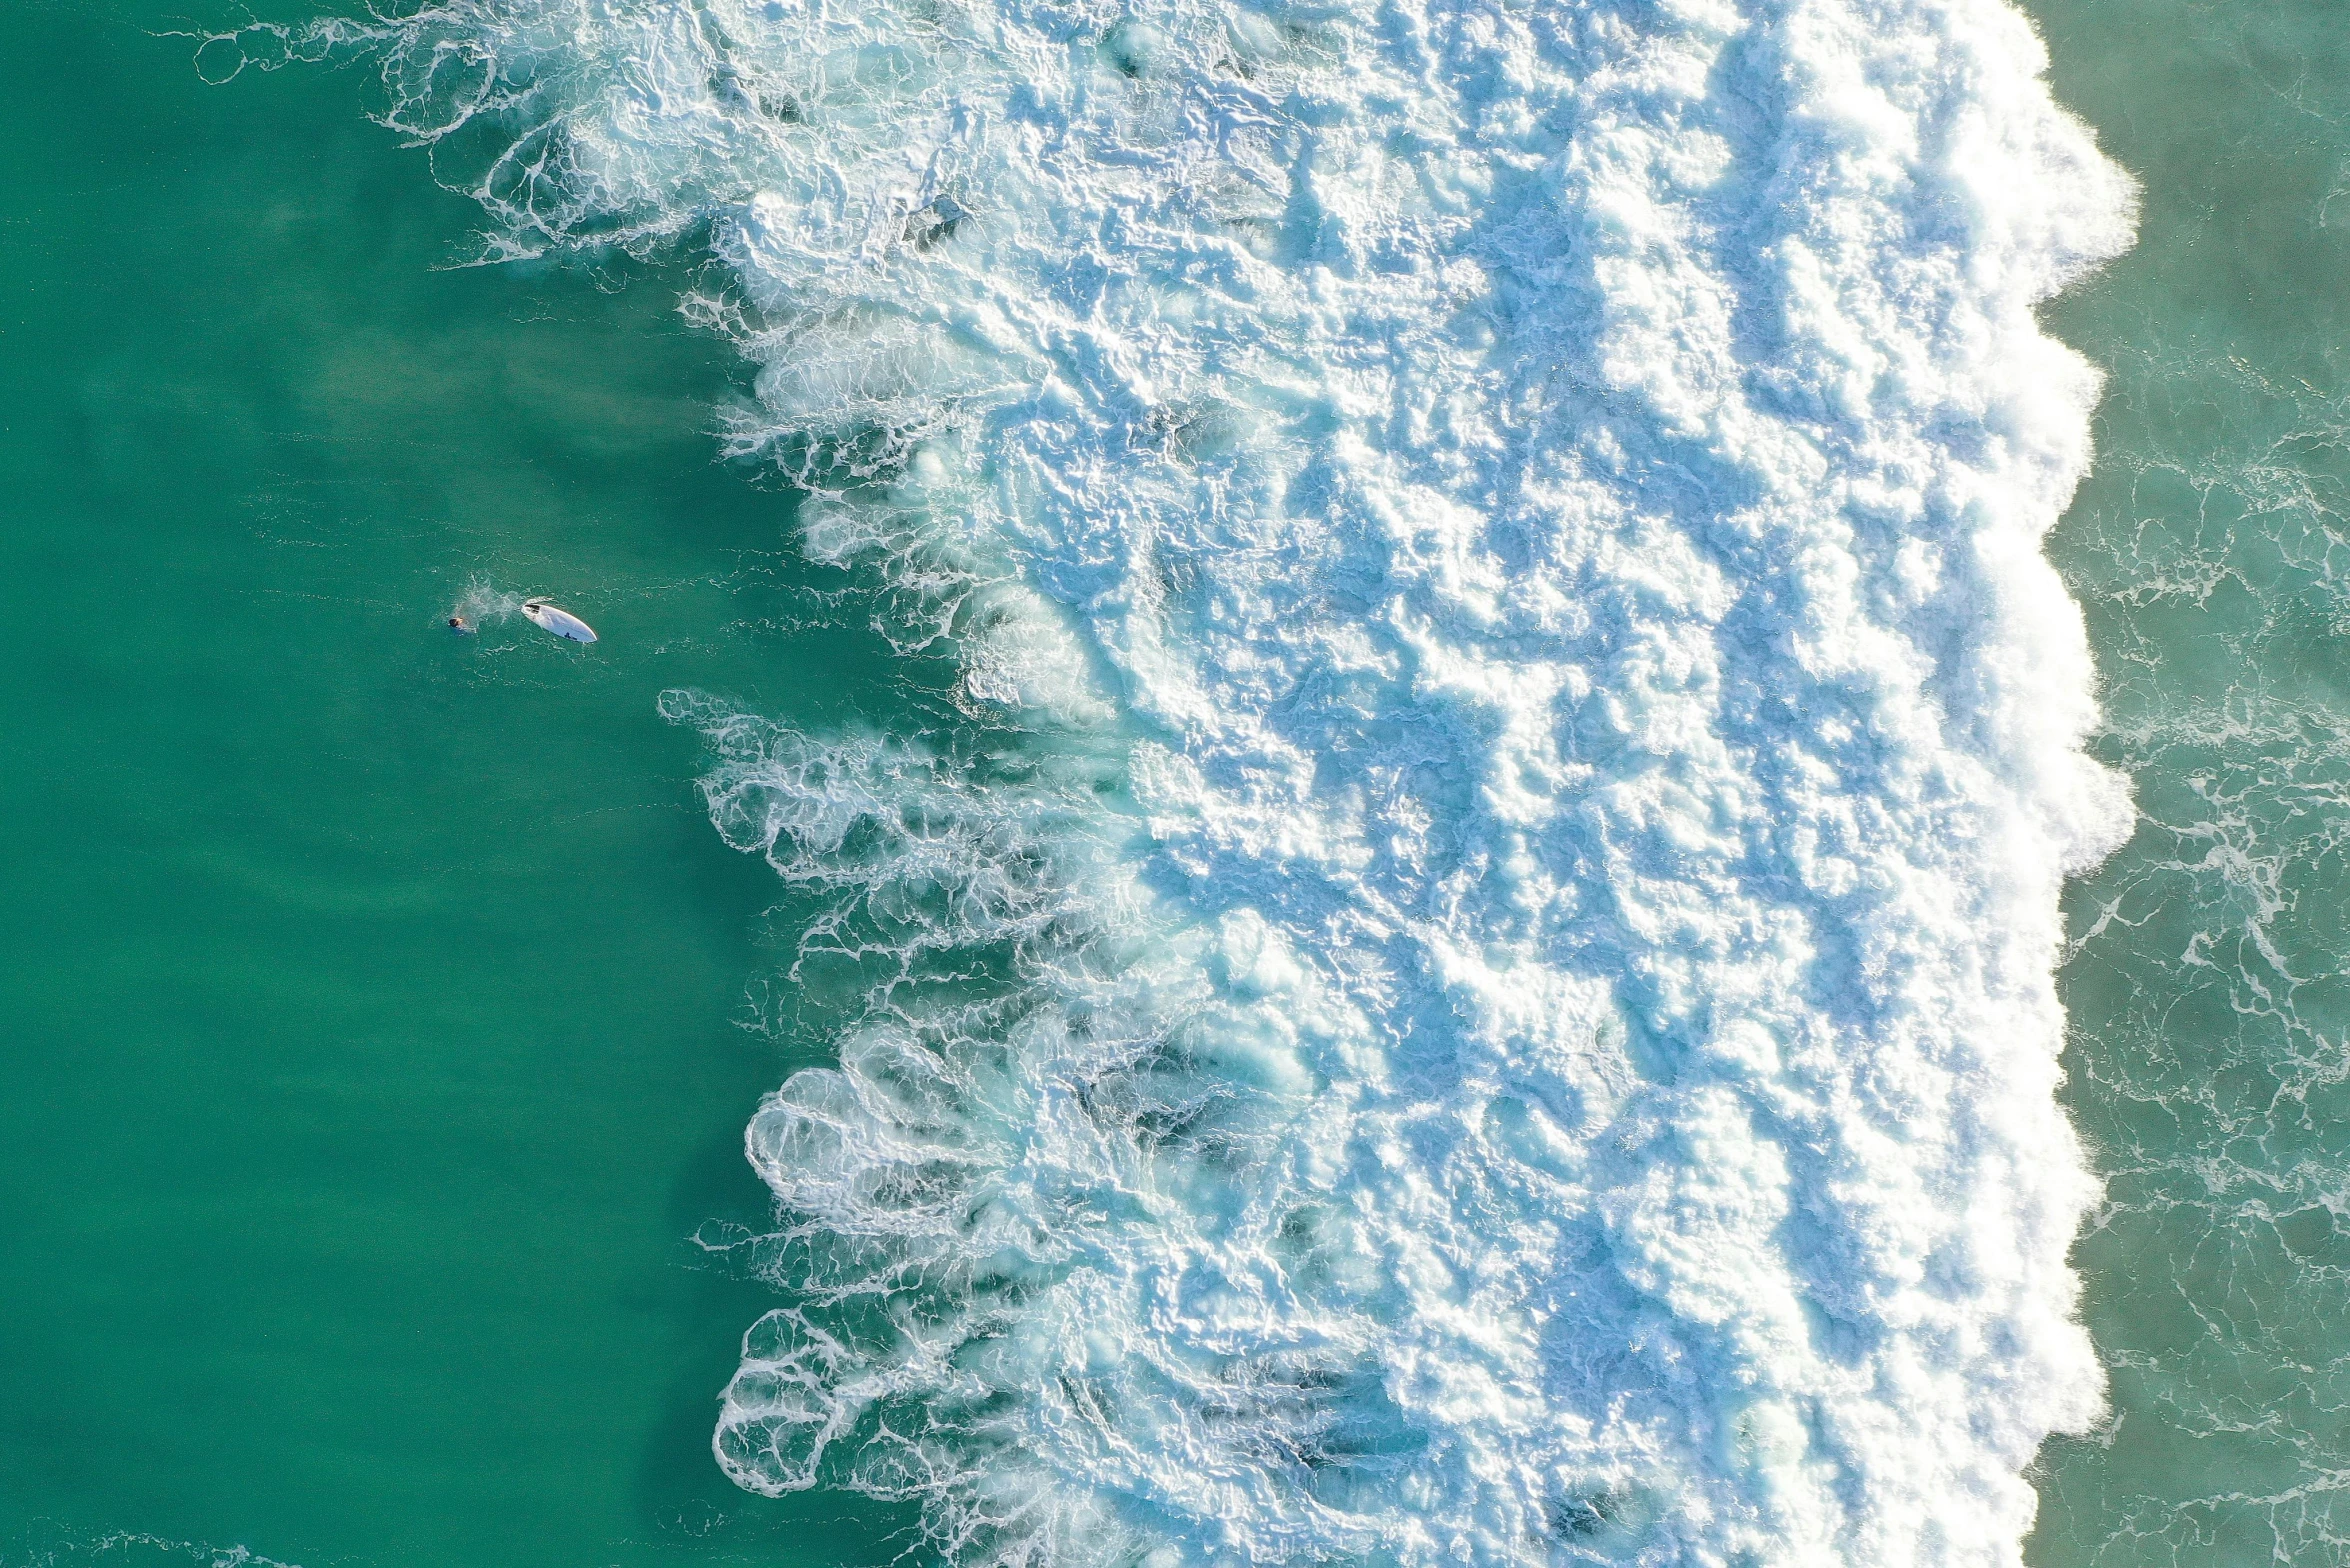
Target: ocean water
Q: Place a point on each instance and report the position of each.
(369, 1011)
(2206, 1065)
(1406, 735)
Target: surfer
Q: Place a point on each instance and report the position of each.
(460, 625)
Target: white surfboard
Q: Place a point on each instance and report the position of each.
(561, 622)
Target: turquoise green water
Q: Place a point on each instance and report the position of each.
(367, 1025)
(2209, 1010)
(367, 1016)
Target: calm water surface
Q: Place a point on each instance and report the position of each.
(367, 1027)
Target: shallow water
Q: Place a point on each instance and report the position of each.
(2207, 1004)
(371, 1044)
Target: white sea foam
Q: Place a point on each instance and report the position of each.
(484, 601)
(1504, 1014)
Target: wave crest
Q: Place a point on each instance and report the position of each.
(1495, 1005)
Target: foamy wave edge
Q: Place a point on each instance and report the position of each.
(1504, 1012)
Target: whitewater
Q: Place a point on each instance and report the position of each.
(1477, 987)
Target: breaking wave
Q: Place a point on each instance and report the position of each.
(1489, 1000)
